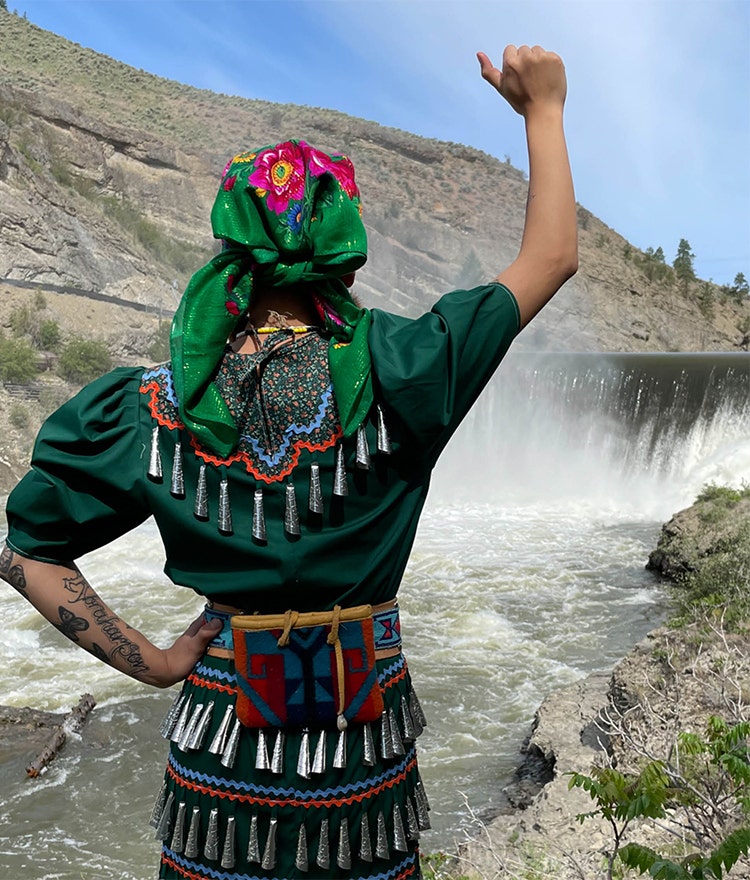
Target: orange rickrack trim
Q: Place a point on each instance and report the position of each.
(211, 685)
(293, 802)
(297, 446)
(154, 389)
(395, 679)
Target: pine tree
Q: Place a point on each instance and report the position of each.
(683, 265)
(683, 262)
(740, 289)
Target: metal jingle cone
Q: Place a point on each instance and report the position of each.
(291, 516)
(423, 818)
(179, 727)
(365, 844)
(368, 746)
(225, 509)
(412, 826)
(269, 853)
(184, 744)
(420, 722)
(253, 847)
(154, 462)
(158, 809)
(407, 722)
(178, 837)
(191, 847)
(340, 485)
(201, 495)
(319, 758)
(303, 760)
(422, 792)
(339, 756)
(211, 848)
(384, 440)
(162, 829)
(301, 862)
(399, 835)
(381, 842)
(261, 756)
(315, 495)
(170, 719)
(259, 517)
(201, 729)
(386, 739)
(219, 742)
(229, 755)
(277, 759)
(362, 459)
(323, 858)
(228, 858)
(177, 483)
(344, 853)
(398, 743)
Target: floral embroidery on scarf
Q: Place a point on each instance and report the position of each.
(281, 399)
(279, 176)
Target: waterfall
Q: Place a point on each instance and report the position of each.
(629, 429)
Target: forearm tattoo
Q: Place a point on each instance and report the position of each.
(110, 625)
(71, 624)
(13, 574)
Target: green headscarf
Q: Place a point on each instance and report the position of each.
(287, 214)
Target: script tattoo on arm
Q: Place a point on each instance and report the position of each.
(110, 625)
(11, 573)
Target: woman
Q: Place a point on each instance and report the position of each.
(286, 472)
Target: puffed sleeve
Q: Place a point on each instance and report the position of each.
(431, 369)
(85, 486)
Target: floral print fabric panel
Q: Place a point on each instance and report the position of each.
(280, 397)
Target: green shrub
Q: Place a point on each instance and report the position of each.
(82, 360)
(159, 349)
(49, 335)
(22, 321)
(18, 362)
(707, 778)
(724, 495)
(19, 416)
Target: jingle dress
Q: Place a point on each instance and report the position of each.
(236, 803)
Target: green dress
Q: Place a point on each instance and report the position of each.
(247, 531)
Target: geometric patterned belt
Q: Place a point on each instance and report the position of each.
(386, 630)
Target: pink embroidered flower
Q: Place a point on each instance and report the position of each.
(280, 173)
(230, 283)
(340, 167)
(232, 307)
(229, 183)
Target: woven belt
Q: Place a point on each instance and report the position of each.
(386, 629)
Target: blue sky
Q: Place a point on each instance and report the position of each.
(658, 111)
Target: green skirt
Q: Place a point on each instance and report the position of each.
(243, 804)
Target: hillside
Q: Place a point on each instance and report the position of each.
(107, 175)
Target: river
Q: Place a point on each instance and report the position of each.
(528, 572)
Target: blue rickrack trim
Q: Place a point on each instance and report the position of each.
(393, 669)
(292, 431)
(209, 672)
(312, 795)
(215, 874)
(164, 371)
